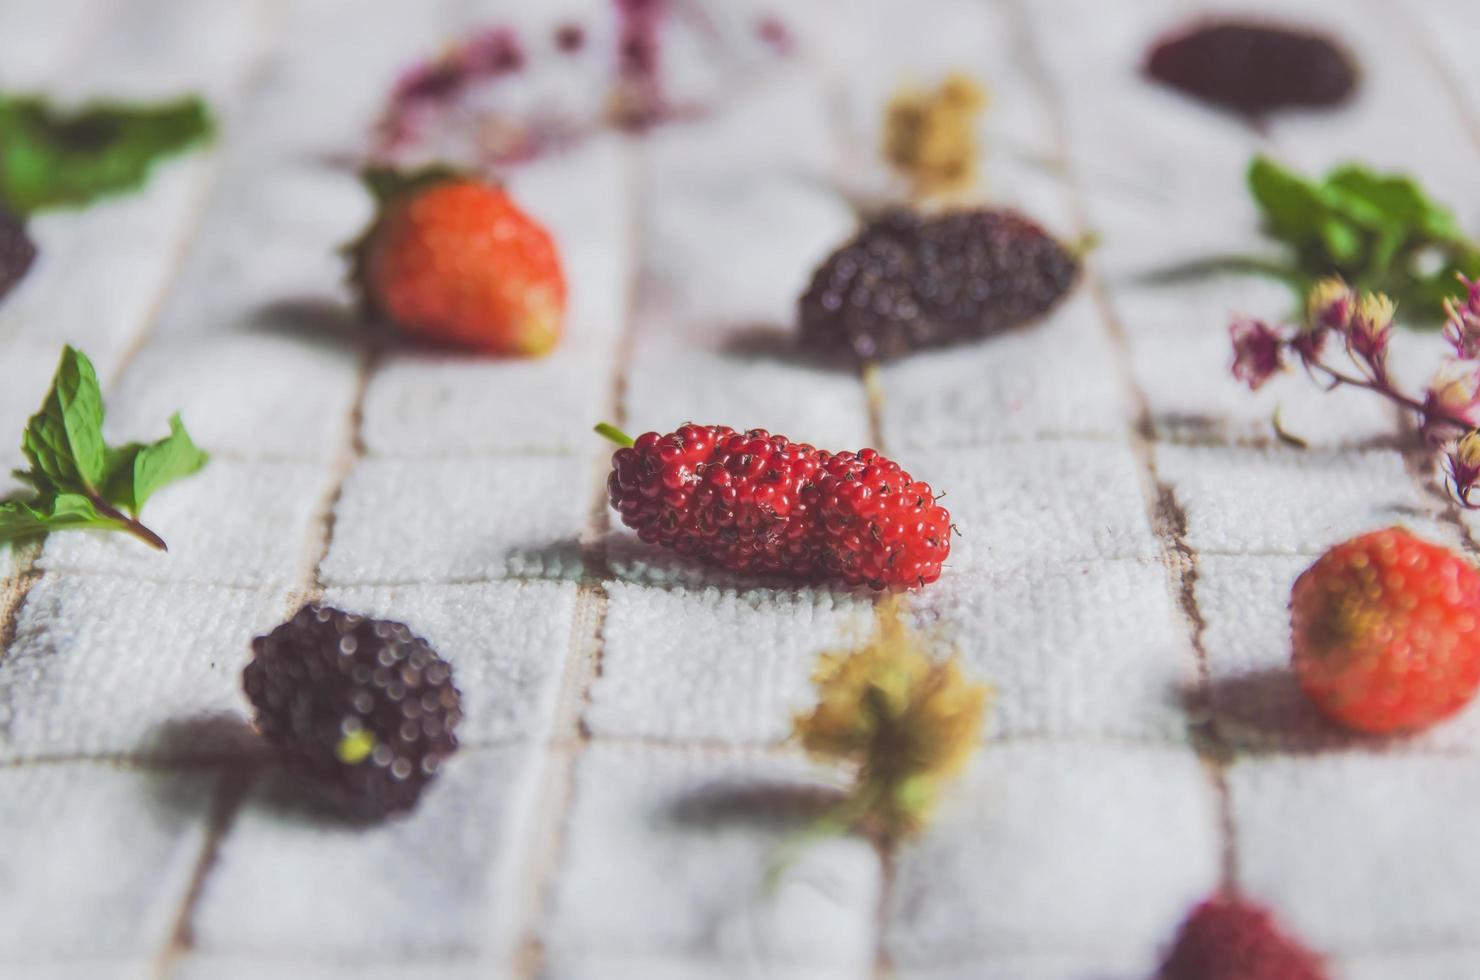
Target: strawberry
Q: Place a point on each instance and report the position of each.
(1232, 939)
(452, 259)
(1385, 632)
(755, 502)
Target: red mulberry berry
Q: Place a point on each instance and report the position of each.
(754, 502)
(1229, 939)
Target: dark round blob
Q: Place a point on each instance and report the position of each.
(17, 251)
(569, 38)
(361, 707)
(909, 281)
(1254, 68)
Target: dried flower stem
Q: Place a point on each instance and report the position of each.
(1446, 412)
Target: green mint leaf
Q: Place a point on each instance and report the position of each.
(1378, 231)
(1342, 240)
(137, 470)
(52, 512)
(64, 441)
(1293, 210)
(50, 158)
(1384, 253)
(1390, 200)
(80, 481)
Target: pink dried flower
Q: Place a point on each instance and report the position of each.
(1449, 399)
(1447, 407)
(1462, 329)
(1308, 342)
(1464, 466)
(1258, 351)
(495, 51)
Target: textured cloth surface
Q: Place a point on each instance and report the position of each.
(1130, 526)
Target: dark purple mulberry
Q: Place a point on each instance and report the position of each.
(361, 706)
(909, 281)
(1253, 68)
(17, 251)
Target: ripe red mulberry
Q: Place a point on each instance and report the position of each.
(754, 502)
(909, 281)
(1231, 939)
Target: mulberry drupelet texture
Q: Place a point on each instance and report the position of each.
(909, 281)
(362, 706)
(756, 502)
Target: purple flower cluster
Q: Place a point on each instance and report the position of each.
(1362, 325)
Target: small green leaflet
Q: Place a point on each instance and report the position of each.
(50, 158)
(80, 481)
(64, 441)
(136, 470)
(1380, 232)
(51, 512)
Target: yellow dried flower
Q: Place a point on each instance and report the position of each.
(930, 138)
(1467, 450)
(1329, 304)
(908, 722)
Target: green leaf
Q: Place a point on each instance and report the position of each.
(137, 470)
(387, 183)
(1384, 251)
(1343, 241)
(51, 158)
(52, 512)
(1389, 201)
(64, 441)
(1292, 208)
(1367, 227)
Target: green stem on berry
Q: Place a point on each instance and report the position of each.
(613, 433)
(1083, 245)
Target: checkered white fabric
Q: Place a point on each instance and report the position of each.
(1129, 525)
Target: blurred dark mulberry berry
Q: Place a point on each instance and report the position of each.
(909, 281)
(1252, 68)
(17, 251)
(361, 706)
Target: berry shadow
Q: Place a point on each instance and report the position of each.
(221, 737)
(226, 745)
(769, 805)
(319, 320)
(778, 344)
(630, 560)
(1265, 711)
(294, 798)
(220, 748)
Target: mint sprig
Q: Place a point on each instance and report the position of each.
(52, 158)
(79, 480)
(1379, 232)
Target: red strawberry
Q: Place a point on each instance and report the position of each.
(761, 503)
(453, 260)
(1387, 632)
(1230, 939)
